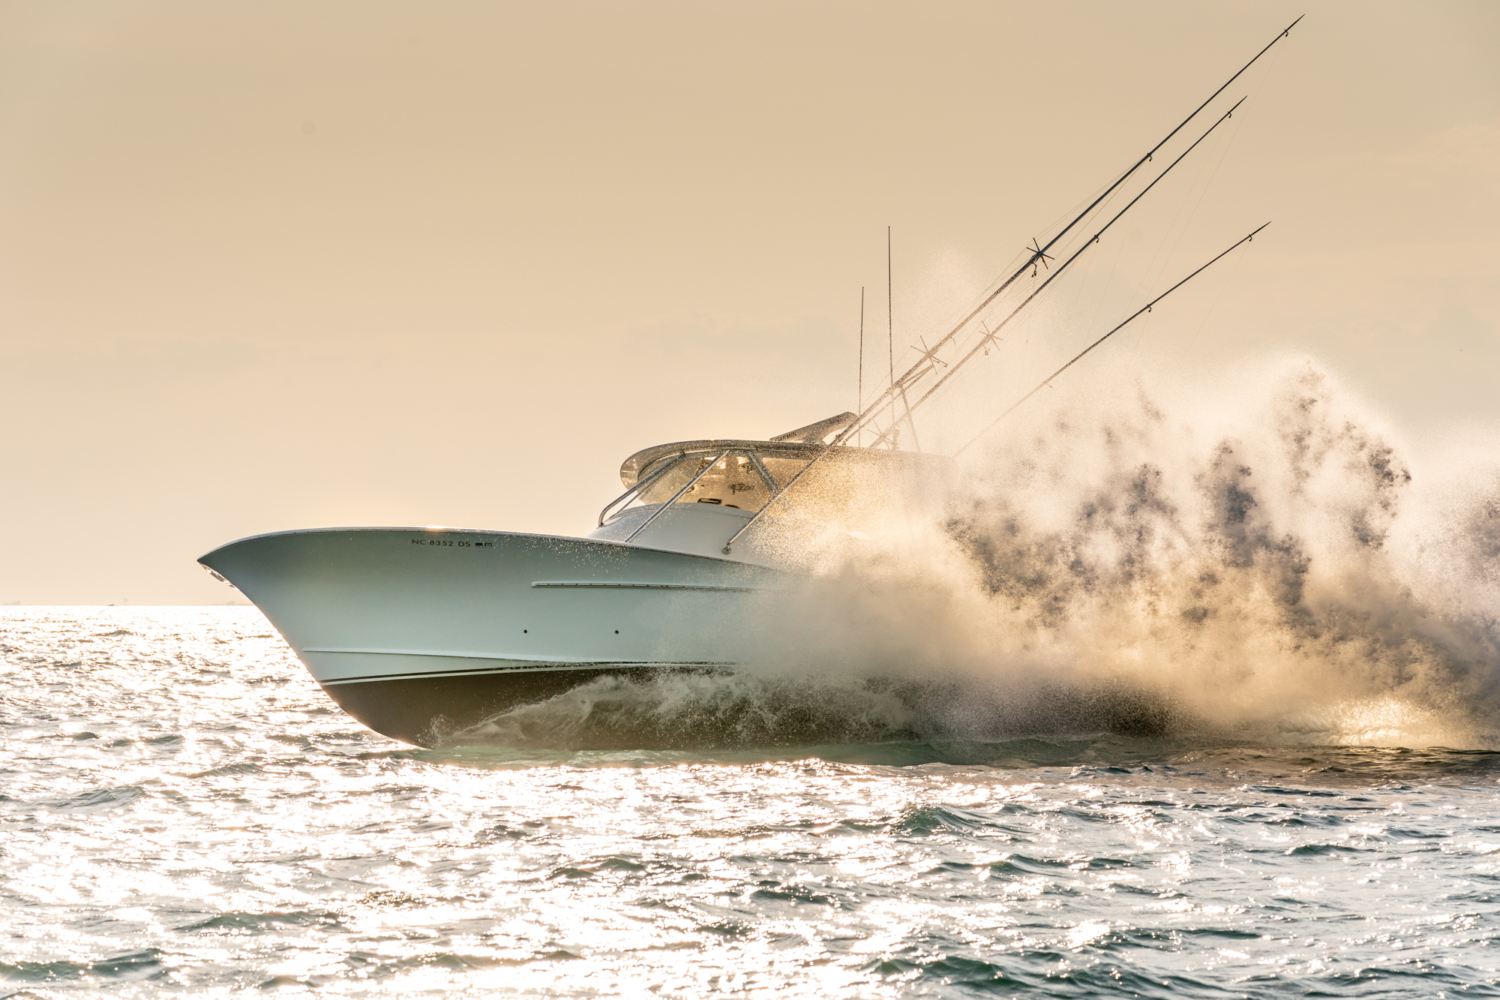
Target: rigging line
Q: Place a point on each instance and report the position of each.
(1091, 198)
(1079, 356)
(1088, 288)
(890, 331)
(860, 392)
(1026, 256)
(1107, 192)
(1234, 270)
(909, 422)
(1232, 136)
(1193, 214)
(1109, 280)
(1150, 277)
(890, 335)
(1076, 254)
(1205, 179)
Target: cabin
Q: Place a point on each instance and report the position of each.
(698, 497)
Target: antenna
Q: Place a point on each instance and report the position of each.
(890, 350)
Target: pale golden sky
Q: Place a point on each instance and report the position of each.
(283, 265)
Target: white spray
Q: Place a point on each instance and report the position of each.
(1265, 565)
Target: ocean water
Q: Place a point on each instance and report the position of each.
(182, 812)
(1160, 696)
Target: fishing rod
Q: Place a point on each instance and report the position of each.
(929, 361)
(991, 334)
(899, 386)
(1079, 356)
(1042, 385)
(1039, 251)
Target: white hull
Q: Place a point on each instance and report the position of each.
(417, 631)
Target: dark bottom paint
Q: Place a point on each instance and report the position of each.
(421, 709)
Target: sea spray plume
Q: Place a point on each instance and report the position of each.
(1248, 577)
(1259, 564)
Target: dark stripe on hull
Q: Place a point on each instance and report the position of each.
(420, 709)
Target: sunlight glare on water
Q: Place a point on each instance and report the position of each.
(183, 812)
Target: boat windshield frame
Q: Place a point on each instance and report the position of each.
(645, 469)
(651, 466)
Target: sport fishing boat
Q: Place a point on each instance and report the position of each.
(421, 632)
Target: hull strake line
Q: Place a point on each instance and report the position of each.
(544, 661)
(532, 668)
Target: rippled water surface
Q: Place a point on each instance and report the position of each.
(183, 812)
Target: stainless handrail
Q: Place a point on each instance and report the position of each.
(760, 467)
(640, 486)
(679, 494)
(778, 495)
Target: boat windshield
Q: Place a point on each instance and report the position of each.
(744, 475)
(732, 481)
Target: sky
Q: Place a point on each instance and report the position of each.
(280, 265)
